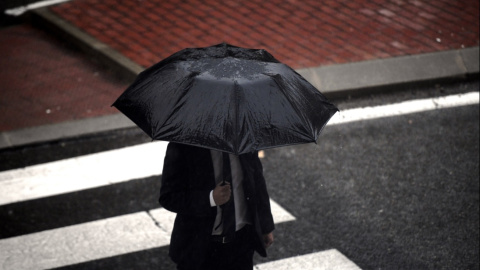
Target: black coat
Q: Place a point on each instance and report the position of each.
(187, 179)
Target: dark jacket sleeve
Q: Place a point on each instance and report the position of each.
(182, 190)
(257, 194)
(263, 203)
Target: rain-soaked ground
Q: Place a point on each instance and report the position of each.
(390, 193)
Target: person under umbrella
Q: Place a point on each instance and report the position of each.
(217, 226)
(218, 106)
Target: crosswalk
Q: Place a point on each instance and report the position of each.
(151, 228)
(115, 166)
(80, 173)
(96, 240)
(107, 237)
(330, 259)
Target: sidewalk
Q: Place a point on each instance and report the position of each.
(339, 46)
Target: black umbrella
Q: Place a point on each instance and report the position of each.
(226, 98)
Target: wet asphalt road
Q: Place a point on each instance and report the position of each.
(389, 194)
(392, 193)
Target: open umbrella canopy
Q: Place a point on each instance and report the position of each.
(226, 98)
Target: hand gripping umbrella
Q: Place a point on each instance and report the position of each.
(226, 98)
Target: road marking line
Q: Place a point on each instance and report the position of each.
(82, 172)
(96, 240)
(279, 214)
(406, 107)
(325, 260)
(164, 219)
(22, 9)
(146, 160)
(82, 242)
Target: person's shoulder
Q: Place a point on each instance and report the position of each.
(183, 148)
(176, 149)
(174, 145)
(250, 156)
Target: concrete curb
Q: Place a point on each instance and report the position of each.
(359, 78)
(109, 57)
(362, 77)
(63, 130)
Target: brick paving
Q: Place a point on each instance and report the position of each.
(302, 34)
(44, 81)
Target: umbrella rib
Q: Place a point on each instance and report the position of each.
(236, 92)
(279, 81)
(189, 82)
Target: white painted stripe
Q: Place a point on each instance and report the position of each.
(82, 242)
(82, 172)
(164, 219)
(95, 240)
(403, 108)
(22, 9)
(325, 260)
(146, 160)
(279, 214)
